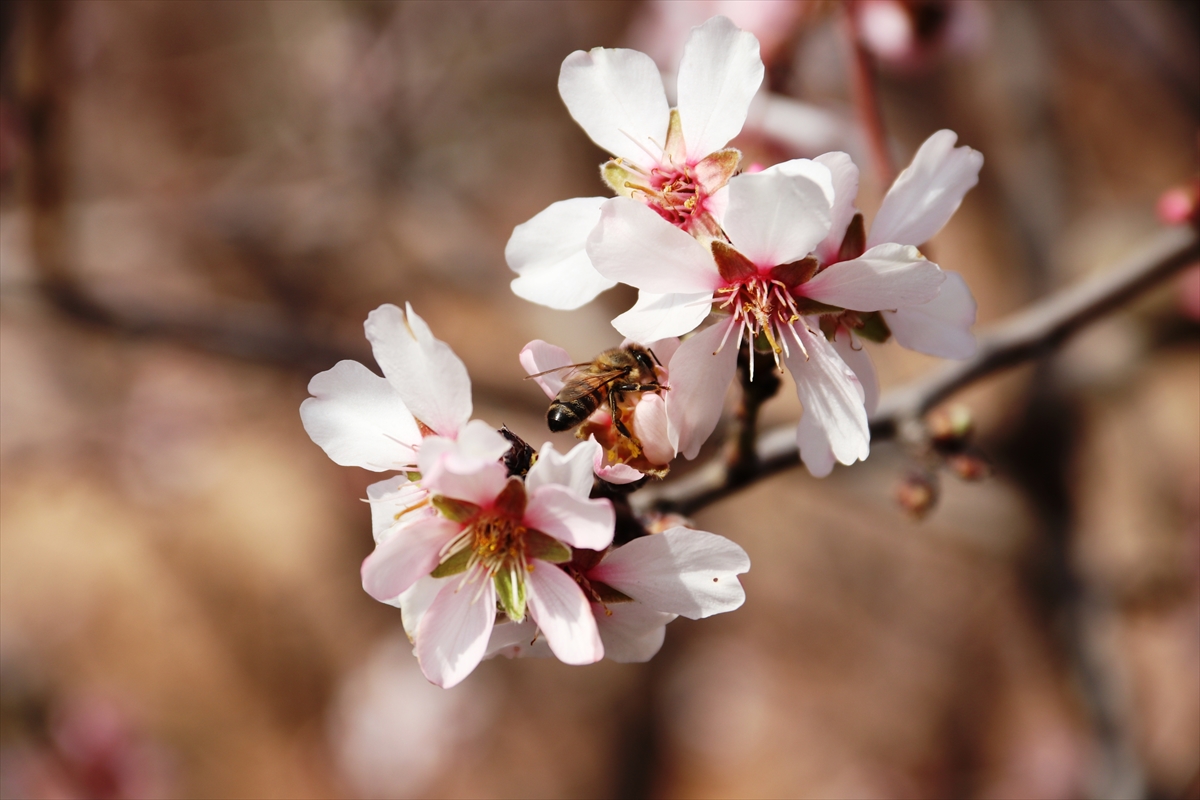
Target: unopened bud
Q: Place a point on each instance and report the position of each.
(969, 466)
(950, 425)
(917, 494)
(658, 522)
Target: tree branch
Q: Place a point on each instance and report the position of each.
(1025, 336)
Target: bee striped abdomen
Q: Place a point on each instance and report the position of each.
(564, 415)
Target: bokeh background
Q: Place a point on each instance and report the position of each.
(199, 204)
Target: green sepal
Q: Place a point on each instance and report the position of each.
(413, 475)
(454, 510)
(809, 307)
(510, 591)
(453, 565)
(619, 179)
(546, 548)
(873, 329)
(607, 595)
(673, 149)
(714, 170)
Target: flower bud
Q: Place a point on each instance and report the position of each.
(917, 494)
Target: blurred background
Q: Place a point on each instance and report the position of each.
(199, 204)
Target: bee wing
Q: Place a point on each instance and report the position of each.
(556, 369)
(589, 383)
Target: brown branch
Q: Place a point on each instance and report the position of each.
(1029, 334)
(866, 99)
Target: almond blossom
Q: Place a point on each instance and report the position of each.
(673, 161)
(768, 289)
(636, 589)
(622, 459)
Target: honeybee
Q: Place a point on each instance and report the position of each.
(609, 377)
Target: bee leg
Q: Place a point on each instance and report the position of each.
(614, 397)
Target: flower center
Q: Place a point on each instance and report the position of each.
(671, 191)
(495, 541)
(762, 309)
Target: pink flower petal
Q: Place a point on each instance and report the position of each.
(927, 193)
(428, 376)
(579, 522)
(617, 97)
(699, 380)
(656, 316)
(833, 414)
(845, 192)
(634, 245)
(563, 614)
(358, 419)
(618, 474)
(517, 640)
(537, 357)
(887, 276)
(394, 502)
(453, 634)
(632, 633)
(776, 218)
(718, 76)
(549, 255)
(652, 430)
(941, 327)
(572, 470)
(681, 571)
(414, 601)
(413, 551)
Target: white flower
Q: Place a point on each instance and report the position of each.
(673, 161)
(620, 459)
(639, 587)
(764, 279)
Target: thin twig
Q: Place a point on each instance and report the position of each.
(866, 99)
(1027, 335)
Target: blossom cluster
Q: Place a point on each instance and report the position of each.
(489, 547)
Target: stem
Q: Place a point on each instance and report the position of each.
(743, 456)
(1025, 336)
(866, 99)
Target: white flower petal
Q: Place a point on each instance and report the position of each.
(851, 349)
(412, 552)
(473, 481)
(887, 276)
(927, 193)
(845, 193)
(681, 571)
(632, 633)
(655, 316)
(699, 380)
(517, 640)
(549, 255)
(358, 419)
(832, 398)
(651, 428)
(941, 327)
(617, 97)
(564, 615)
(429, 377)
(453, 634)
(556, 511)
(571, 470)
(634, 245)
(776, 218)
(541, 357)
(394, 502)
(718, 75)
(414, 601)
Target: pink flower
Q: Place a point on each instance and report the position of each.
(639, 587)
(672, 160)
(495, 539)
(620, 459)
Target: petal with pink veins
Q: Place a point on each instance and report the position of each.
(941, 327)
(634, 245)
(557, 511)
(412, 552)
(776, 218)
(652, 430)
(833, 416)
(429, 377)
(680, 571)
(617, 97)
(571, 470)
(887, 276)
(719, 74)
(632, 633)
(358, 419)
(700, 377)
(548, 359)
(655, 316)
(395, 502)
(549, 255)
(845, 192)
(453, 634)
(927, 193)
(563, 614)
